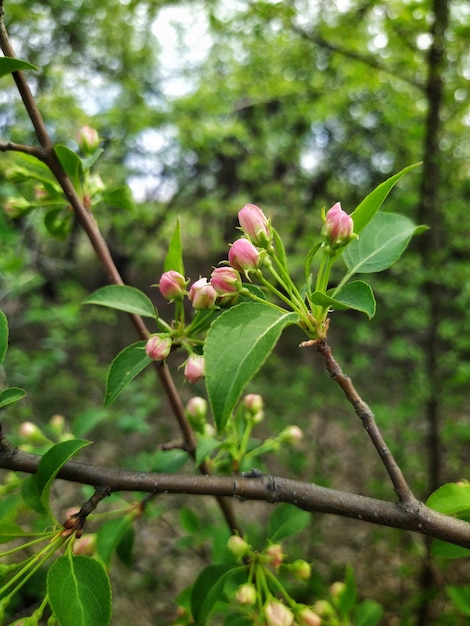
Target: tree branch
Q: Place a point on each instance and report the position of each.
(413, 516)
(367, 418)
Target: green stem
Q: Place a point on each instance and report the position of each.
(26, 545)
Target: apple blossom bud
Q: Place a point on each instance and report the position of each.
(202, 295)
(86, 545)
(88, 140)
(14, 207)
(32, 433)
(301, 569)
(337, 589)
(172, 285)
(253, 403)
(255, 225)
(243, 256)
(306, 617)
(158, 347)
(277, 614)
(291, 434)
(246, 594)
(226, 281)
(338, 228)
(195, 368)
(196, 410)
(275, 554)
(323, 608)
(238, 546)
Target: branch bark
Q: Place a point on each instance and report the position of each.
(414, 516)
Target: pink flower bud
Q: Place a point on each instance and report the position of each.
(306, 617)
(253, 403)
(338, 228)
(238, 546)
(291, 434)
(246, 594)
(158, 347)
(255, 225)
(277, 614)
(243, 256)
(86, 545)
(88, 140)
(226, 280)
(337, 589)
(202, 294)
(195, 368)
(197, 407)
(172, 285)
(275, 554)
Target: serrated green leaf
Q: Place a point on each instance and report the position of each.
(120, 198)
(357, 295)
(368, 613)
(450, 499)
(123, 298)
(380, 245)
(71, 163)
(3, 336)
(237, 345)
(51, 463)
(88, 162)
(125, 367)
(174, 257)
(11, 395)
(9, 65)
(205, 446)
(366, 210)
(206, 590)
(285, 521)
(110, 535)
(460, 596)
(79, 591)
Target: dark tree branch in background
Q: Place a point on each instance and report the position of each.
(413, 516)
(368, 421)
(48, 156)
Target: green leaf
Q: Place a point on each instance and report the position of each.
(71, 163)
(9, 65)
(237, 345)
(368, 613)
(381, 244)
(285, 521)
(346, 598)
(3, 336)
(308, 261)
(460, 596)
(207, 589)
(446, 550)
(125, 367)
(366, 210)
(11, 395)
(123, 298)
(120, 198)
(279, 248)
(110, 535)
(79, 591)
(174, 257)
(205, 446)
(51, 463)
(168, 461)
(88, 162)
(450, 499)
(58, 222)
(10, 531)
(357, 295)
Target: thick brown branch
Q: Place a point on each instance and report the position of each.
(368, 421)
(413, 516)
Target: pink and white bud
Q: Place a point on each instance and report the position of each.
(202, 294)
(195, 368)
(337, 589)
(243, 256)
(238, 546)
(253, 403)
(226, 281)
(158, 347)
(275, 554)
(197, 408)
(255, 225)
(246, 594)
(306, 617)
(291, 435)
(277, 614)
(86, 545)
(172, 285)
(88, 139)
(338, 229)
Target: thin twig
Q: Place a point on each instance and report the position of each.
(367, 418)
